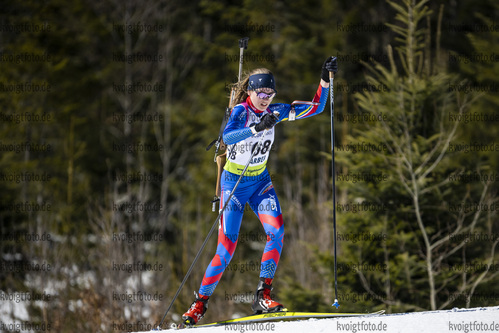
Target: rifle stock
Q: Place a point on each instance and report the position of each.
(219, 143)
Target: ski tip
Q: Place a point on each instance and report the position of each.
(336, 304)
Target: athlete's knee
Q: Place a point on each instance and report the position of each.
(275, 234)
(232, 237)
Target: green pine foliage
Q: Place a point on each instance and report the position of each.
(91, 185)
(410, 208)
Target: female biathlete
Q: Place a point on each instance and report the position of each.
(252, 118)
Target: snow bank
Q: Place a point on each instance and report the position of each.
(456, 320)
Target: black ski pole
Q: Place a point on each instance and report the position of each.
(331, 104)
(257, 148)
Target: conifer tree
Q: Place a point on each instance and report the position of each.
(405, 167)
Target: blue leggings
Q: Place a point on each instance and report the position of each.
(259, 192)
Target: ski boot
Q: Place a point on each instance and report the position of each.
(263, 302)
(196, 311)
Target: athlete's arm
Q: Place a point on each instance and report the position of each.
(303, 109)
(236, 129)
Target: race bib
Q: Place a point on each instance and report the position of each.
(240, 153)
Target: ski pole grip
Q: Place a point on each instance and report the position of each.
(331, 75)
(276, 114)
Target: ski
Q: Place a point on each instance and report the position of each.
(286, 315)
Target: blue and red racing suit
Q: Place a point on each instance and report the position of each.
(255, 188)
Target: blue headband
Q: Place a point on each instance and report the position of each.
(261, 81)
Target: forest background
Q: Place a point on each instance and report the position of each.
(106, 108)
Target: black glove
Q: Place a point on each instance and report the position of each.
(267, 122)
(330, 65)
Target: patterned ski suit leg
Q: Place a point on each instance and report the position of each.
(259, 191)
(266, 206)
(228, 232)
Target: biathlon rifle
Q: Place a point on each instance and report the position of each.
(219, 144)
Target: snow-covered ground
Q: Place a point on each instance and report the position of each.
(456, 320)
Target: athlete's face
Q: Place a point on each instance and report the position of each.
(261, 98)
